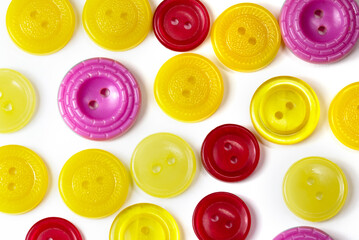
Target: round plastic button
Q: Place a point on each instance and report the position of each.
(163, 165)
(144, 221)
(303, 233)
(189, 87)
(221, 215)
(315, 189)
(246, 37)
(23, 179)
(230, 153)
(285, 110)
(344, 116)
(53, 228)
(17, 101)
(320, 31)
(94, 183)
(99, 99)
(117, 25)
(40, 26)
(181, 25)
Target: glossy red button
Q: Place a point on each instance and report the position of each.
(221, 215)
(53, 228)
(181, 25)
(230, 153)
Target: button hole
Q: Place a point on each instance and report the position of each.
(171, 160)
(11, 186)
(229, 225)
(109, 12)
(186, 93)
(318, 13)
(214, 218)
(45, 24)
(322, 30)
(310, 181)
(319, 196)
(252, 41)
(289, 105)
(85, 184)
(187, 25)
(105, 92)
(99, 180)
(7, 107)
(241, 30)
(227, 146)
(156, 169)
(191, 80)
(145, 230)
(34, 14)
(12, 171)
(174, 21)
(93, 105)
(234, 160)
(279, 115)
(124, 15)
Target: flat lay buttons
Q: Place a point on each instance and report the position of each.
(144, 221)
(40, 26)
(221, 215)
(17, 101)
(99, 99)
(163, 165)
(246, 37)
(315, 189)
(320, 31)
(285, 110)
(189, 87)
(94, 183)
(23, 179)
(181, 25)
(230, 153)
(303, 233)
(117, 25)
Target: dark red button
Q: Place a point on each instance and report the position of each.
(181, 25)
(230, 153)
(53, 228)
(221, 215)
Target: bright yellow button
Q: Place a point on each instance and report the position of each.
(315, 189)
(117, 25)
(189, 87)
(94, 183)
(163, 165)
(246, 37)
(344, 116)
(144, 221)
(40, 26)
(23, 179)
(17, 101)
(285, 110)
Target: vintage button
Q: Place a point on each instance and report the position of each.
(303, 233)
(181, 25)
(189, 87)
(285, 110)
(221, 215)
(99, 99)
(315, 189)
(23, 179)
(53, 228)
(144, 221)
(246, 37)
(17, 101)
(344, 116)
(117, 25)
(40, 26)
(163, 165)
(230, 153)
(94, 183)
(320, 31)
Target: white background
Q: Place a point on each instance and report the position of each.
(48, 135)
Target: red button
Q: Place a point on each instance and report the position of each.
(230, 153)
(221, 215)
(53, 228)
(181, 25)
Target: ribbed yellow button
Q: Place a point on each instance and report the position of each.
(189, 87)
(285, 110)
(344, 116)
(117, 25)
(246, 37)
(40, 26)
(315, 189)
(23, 179)
(94, 183)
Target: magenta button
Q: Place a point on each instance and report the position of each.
(303, 233)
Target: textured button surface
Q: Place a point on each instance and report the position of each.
(303, 233)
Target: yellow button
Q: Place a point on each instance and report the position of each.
(285, 110)
(23, 179)
(163, 165)
(94, 183)
(144, 221)
(17, 101)
(344, 116)
(315, 189)
(246, 37)
(40, 26)
(189, 87)
(117, 25)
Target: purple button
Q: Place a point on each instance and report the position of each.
(320, 31)
(99, 99)
(302, 233)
